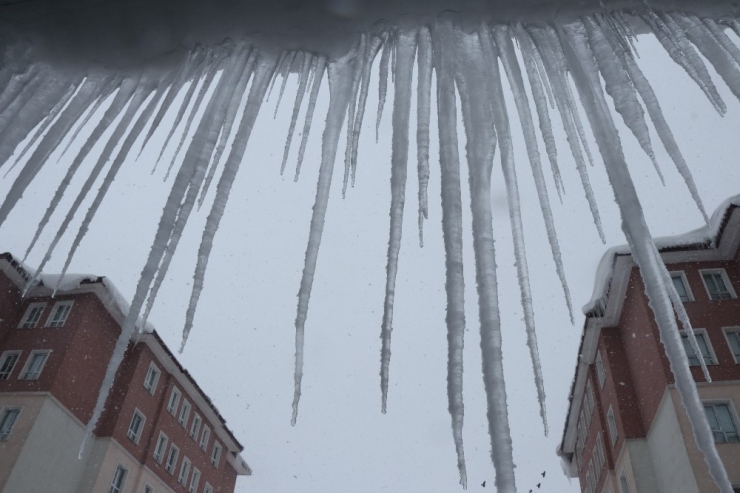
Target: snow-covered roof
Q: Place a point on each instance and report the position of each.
(703, 237)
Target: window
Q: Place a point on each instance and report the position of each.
(59, 313)
(152, 377)
(600, 452)
(682, 286)
(7, 420)
(721, 422)
(733, 339)
(184, 413)
(216, 454)
(589, 402)
(35, 364)
(717, 284)
(600, 371)
(195, 427)
(137, 423)
(701, 340)
(208, 488)
(184, 471)
(148, 488)
(160, 447)
(194, 481)
(174, 401)
(32, 316)
(119, 478)
(612, 426)
(172, 459)
(204, 437)
(7, 362)
(623, 483)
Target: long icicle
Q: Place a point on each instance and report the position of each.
(351, 110)
(308, 62)
(642, 246)
(508, 57)
(288, 68)
(423, 111)
(257, 92)
(501, 121)
(444, 51)
(383, 79)
(340, 76)
(406, 48)
(474, 88)
(317, 78)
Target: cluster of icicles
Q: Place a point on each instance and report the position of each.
(54, 104)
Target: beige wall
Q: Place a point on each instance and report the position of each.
(10, 450)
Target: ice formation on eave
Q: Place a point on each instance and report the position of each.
(41, 90)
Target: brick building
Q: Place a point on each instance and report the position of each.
(159, 432)
(626, 430)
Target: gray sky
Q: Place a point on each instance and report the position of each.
(241, 348)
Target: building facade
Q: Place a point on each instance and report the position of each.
(159, 431)
(626, 429)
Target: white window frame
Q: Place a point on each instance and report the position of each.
(30, 323)
(611, 421)
(729, 332)
(171, 465)
(50, 320)
(195, 426)
(590, 401)
(158, 454)
(136, 433)
(624, 486)
(4, 357)
(600, 451)
(733, 414)
(216, 454)
(600, 369)
(148, 488)
(204, 437)
(118, 488)
(681, 274)
(24, 375)
(182, 478)
(208, 488)
(194, 480)
(184, 413)
(4, 411)
(725, 278)
(151, 388)
(703, 333)
(174, 401)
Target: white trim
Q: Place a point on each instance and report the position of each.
(5, 355)
(195, 426)
(184, 415)
(25, 319)
(726, 331)
(24, 371)
(623, 475)
(703, 332)
(159, 459)
(194, 480)
(216, 454)
(148, 488)
(600, 369)
(120, 488)
(725, 278)
(137, 433)
(50, 318)
(207, 488)
(171, 469)
(730, 406)
(175, 395)
(182, 478)
(686, 285)
(611, 424)
(157, 373)
(205, 435)
(5, 409)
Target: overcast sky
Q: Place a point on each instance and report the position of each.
(242, 345)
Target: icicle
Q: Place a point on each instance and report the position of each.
(708, 45)
(211, 72)
(564, 101)
(724, 40)
(501, 121)
(50, 141)
(508, 58)
(140, 96)
(308, 63)
(127, 88)
(542, 74)
(661, 126)
(229, 122)
(473, 82)
(444, 51)
(20, 94)
(643, 249)
(383, 80)
(317, 78)
(626, 30)
(276, 71)
(189, 66)
(340, 78)
(423, 101)
(371, 51)
(620, 88)
(681, 51)
(264, 68)
(356, 79)
(527, 51)
(406, 46)
(288, 68)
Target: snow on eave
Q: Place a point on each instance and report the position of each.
(707, 236)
